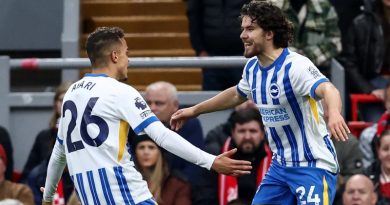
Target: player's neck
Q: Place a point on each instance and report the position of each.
(105, 70)
(268, 57)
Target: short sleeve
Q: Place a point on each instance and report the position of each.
(243, 87)
(133, 108)
(305, 78)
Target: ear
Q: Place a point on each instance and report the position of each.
(269, 35)
(176, 103)
(374, 198)
(114, 56)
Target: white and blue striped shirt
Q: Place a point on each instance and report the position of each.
(92, 136)
(291, 112)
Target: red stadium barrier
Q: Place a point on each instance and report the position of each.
(361, 98)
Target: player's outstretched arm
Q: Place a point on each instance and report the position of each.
(224, 100)
(223, 164)
(180, 147)
(43, 201)
(55, 168)
(336, 124)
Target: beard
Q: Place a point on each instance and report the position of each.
(251, 52)
(247, 147)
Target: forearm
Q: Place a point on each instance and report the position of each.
(224, 100)
(55, 168)
(177, 145)
(331, 97)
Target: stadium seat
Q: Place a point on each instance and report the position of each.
(361, 98)
(355, 125)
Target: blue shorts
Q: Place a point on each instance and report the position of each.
(150, 201)
(296, 185)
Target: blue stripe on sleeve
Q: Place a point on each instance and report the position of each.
(314, 87)
(91, 183)
(145, 123)
(240, 92)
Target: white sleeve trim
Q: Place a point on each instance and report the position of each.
(177, 145)
(55, 168)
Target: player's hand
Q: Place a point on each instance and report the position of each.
(43, 201)
(337, 126)
(223, 164)
(180, 117)
(46, 203)
(379, 93)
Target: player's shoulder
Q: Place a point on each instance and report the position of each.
(123, 88)
(250, 62)
(298, 61)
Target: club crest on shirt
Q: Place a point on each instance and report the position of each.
(140, 103)
(274, 91)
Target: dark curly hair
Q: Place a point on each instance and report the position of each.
(270, 18)
(100, 41)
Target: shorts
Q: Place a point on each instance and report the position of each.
(296, 185)
(150, 201)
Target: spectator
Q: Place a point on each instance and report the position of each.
(162, 99)
(349, 158)
(366, 55)
(215, 31)
(359, 190)
(36, 179)
(168, 188)
(11, 190)
(379, 171)
(35, 170)
(316, 33)
(371, 134)
(247, 135)
(45, 140)
(217, 136)
(347, 10)
(5, 140)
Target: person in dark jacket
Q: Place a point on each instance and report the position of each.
(5, 140)
(247, 135)
(366, 55)
(346, 10)
(215, 31)
(45, 140)
(162, 99)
